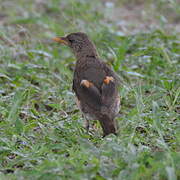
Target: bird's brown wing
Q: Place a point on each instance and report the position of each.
(109, 91)
(90, 94)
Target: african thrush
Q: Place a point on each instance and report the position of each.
(94, 83)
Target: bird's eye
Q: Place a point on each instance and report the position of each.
(71, 40)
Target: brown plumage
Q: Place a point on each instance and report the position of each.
(94, 83)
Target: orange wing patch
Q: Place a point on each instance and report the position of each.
(108, 79)
(86, 83)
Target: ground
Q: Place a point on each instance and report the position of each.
(42, 134)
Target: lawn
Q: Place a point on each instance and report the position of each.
(42, 134)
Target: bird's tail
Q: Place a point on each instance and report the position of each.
(108, 125)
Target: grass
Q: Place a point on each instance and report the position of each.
(42, 135)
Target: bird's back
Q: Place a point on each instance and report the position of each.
(95, 71)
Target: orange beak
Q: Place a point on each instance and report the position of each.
(61, 40)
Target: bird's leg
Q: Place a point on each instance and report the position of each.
(83, 115)
(87, 125)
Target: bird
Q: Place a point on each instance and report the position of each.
(95, 84)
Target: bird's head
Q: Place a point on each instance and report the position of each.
(78, 42)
